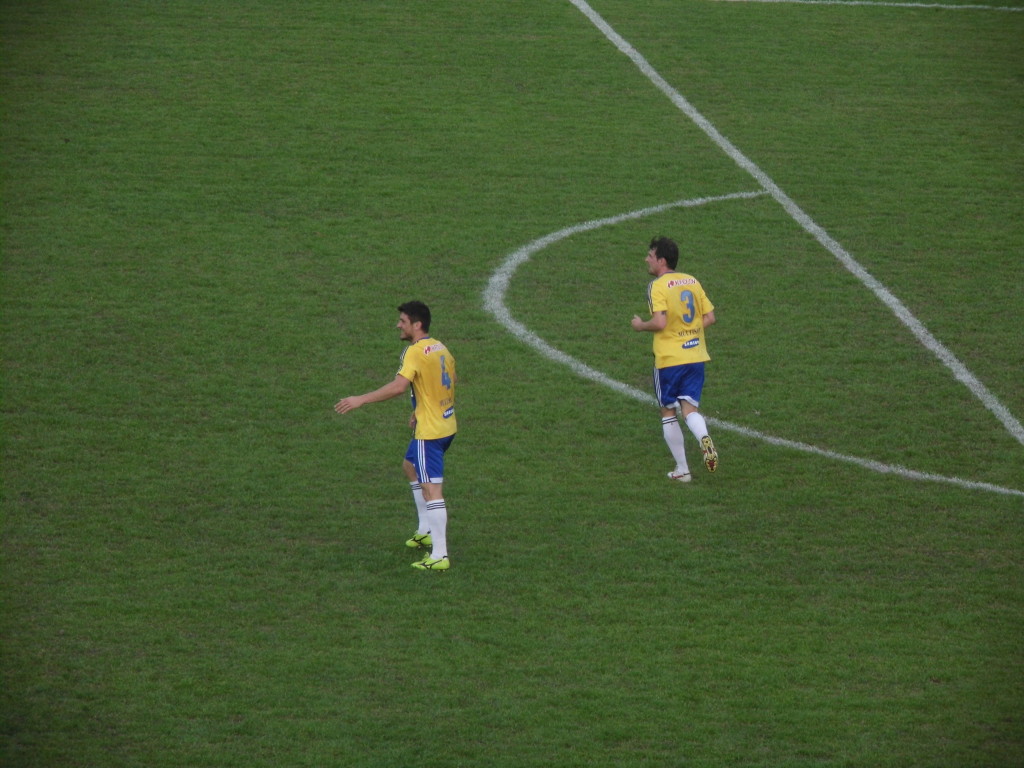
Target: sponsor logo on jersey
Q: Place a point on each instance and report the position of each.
(449, 413)
(681, 281)
(691, 344)
(430, 348)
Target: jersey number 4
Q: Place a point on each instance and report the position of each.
(446, 379)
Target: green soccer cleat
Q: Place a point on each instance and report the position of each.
(419, 541)
(710, 454)
(433, 564)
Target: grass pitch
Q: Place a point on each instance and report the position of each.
(208, 218)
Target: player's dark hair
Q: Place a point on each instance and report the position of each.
(417, 311)
(666, 249)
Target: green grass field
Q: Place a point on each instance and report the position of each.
(210, 211)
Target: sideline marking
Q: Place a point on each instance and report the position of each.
(924, 336)
(885, 5)
(494, 302)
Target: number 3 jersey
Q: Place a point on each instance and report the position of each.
(431, 368)
(685, 304)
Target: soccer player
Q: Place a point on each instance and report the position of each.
(429, 368)
(680, 311)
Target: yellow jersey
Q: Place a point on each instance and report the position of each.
(684, 303)
(430, 367)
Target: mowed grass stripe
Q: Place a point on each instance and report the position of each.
(924, 336)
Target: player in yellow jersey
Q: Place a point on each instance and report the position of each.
(428, 367)
(680, 311)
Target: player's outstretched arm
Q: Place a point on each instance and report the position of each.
(392, 389)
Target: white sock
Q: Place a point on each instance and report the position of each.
(437, 514)
(674, 439)
(697, 425)
(421, 507)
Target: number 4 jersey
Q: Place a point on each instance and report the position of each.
(685, 304)
(431, 368)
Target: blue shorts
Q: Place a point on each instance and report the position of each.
(679, 382)
(427, 456)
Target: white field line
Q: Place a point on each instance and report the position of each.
(960, 371)
(887, 5)
(494, 302)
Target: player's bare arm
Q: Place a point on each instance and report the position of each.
(708, 319)
(392, 389)
(656, 323)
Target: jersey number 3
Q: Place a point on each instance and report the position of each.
(691, 309)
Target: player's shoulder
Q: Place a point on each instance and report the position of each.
(659, 282)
